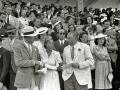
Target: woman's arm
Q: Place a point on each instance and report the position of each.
(100, 56)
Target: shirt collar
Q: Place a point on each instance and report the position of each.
(75, 46)
(61, 41)
(12, 41)
(27, 45)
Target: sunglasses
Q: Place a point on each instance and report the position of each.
(62, 33)
(11, 33)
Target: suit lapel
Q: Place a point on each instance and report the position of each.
(26, 50)
(8, 45)
(69, 52)
(33, 51)
(58, 44)
(77, 51)
(65, 43)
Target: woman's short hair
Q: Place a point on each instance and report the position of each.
(35, 13)
(67, 19)
(81, 34)
(21, 12)
(48, 38)
(69, 27)
(96, 41)
(84, 27)
(85, 20)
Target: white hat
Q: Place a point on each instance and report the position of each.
(100, 35)
(113, 9)
(57, 23)
(103, 14)
(41, 30)
(117, 18)
(103, 19)
(28, 31)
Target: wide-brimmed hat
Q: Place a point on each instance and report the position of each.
(41, 30)
(117, 18)
(28, 31)
(100, 35)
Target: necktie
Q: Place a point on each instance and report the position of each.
(8, 19)
(62, 44)
(72, 52)
(29, 49)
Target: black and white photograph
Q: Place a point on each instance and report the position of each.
(59, 44)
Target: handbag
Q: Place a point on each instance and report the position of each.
(110, 77)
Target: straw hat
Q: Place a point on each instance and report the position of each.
(100, 35)
(28, 31)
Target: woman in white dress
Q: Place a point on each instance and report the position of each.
(24, 21)
(51, 59)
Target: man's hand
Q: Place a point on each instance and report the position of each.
(39, 63)
(75, 65)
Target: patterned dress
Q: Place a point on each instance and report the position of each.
(101, 70)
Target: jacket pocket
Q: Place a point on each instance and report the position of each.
(23, 79)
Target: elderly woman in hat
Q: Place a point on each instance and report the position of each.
(102, 65)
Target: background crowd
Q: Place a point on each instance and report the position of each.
(57, 21)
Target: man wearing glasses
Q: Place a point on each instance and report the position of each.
(8, 44)
(59, 45)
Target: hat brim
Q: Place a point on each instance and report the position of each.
(11, 30)
(57, 23)
(41, 31)
(100, 36)
(117, 18)
(30, 35)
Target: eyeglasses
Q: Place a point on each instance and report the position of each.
(62, 33)
(11, 33)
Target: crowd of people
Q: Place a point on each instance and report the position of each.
(55, 47)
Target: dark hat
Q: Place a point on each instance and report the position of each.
(10, 28)
(32, 4)
(2, 34)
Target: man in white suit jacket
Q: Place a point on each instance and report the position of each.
(78, 61)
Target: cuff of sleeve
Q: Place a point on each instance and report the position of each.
(40, 63)
(33, 63)
(81, 66)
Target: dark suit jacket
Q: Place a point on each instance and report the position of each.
(6, 45)
(25, 65)
(58, 46)
(5, 58)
